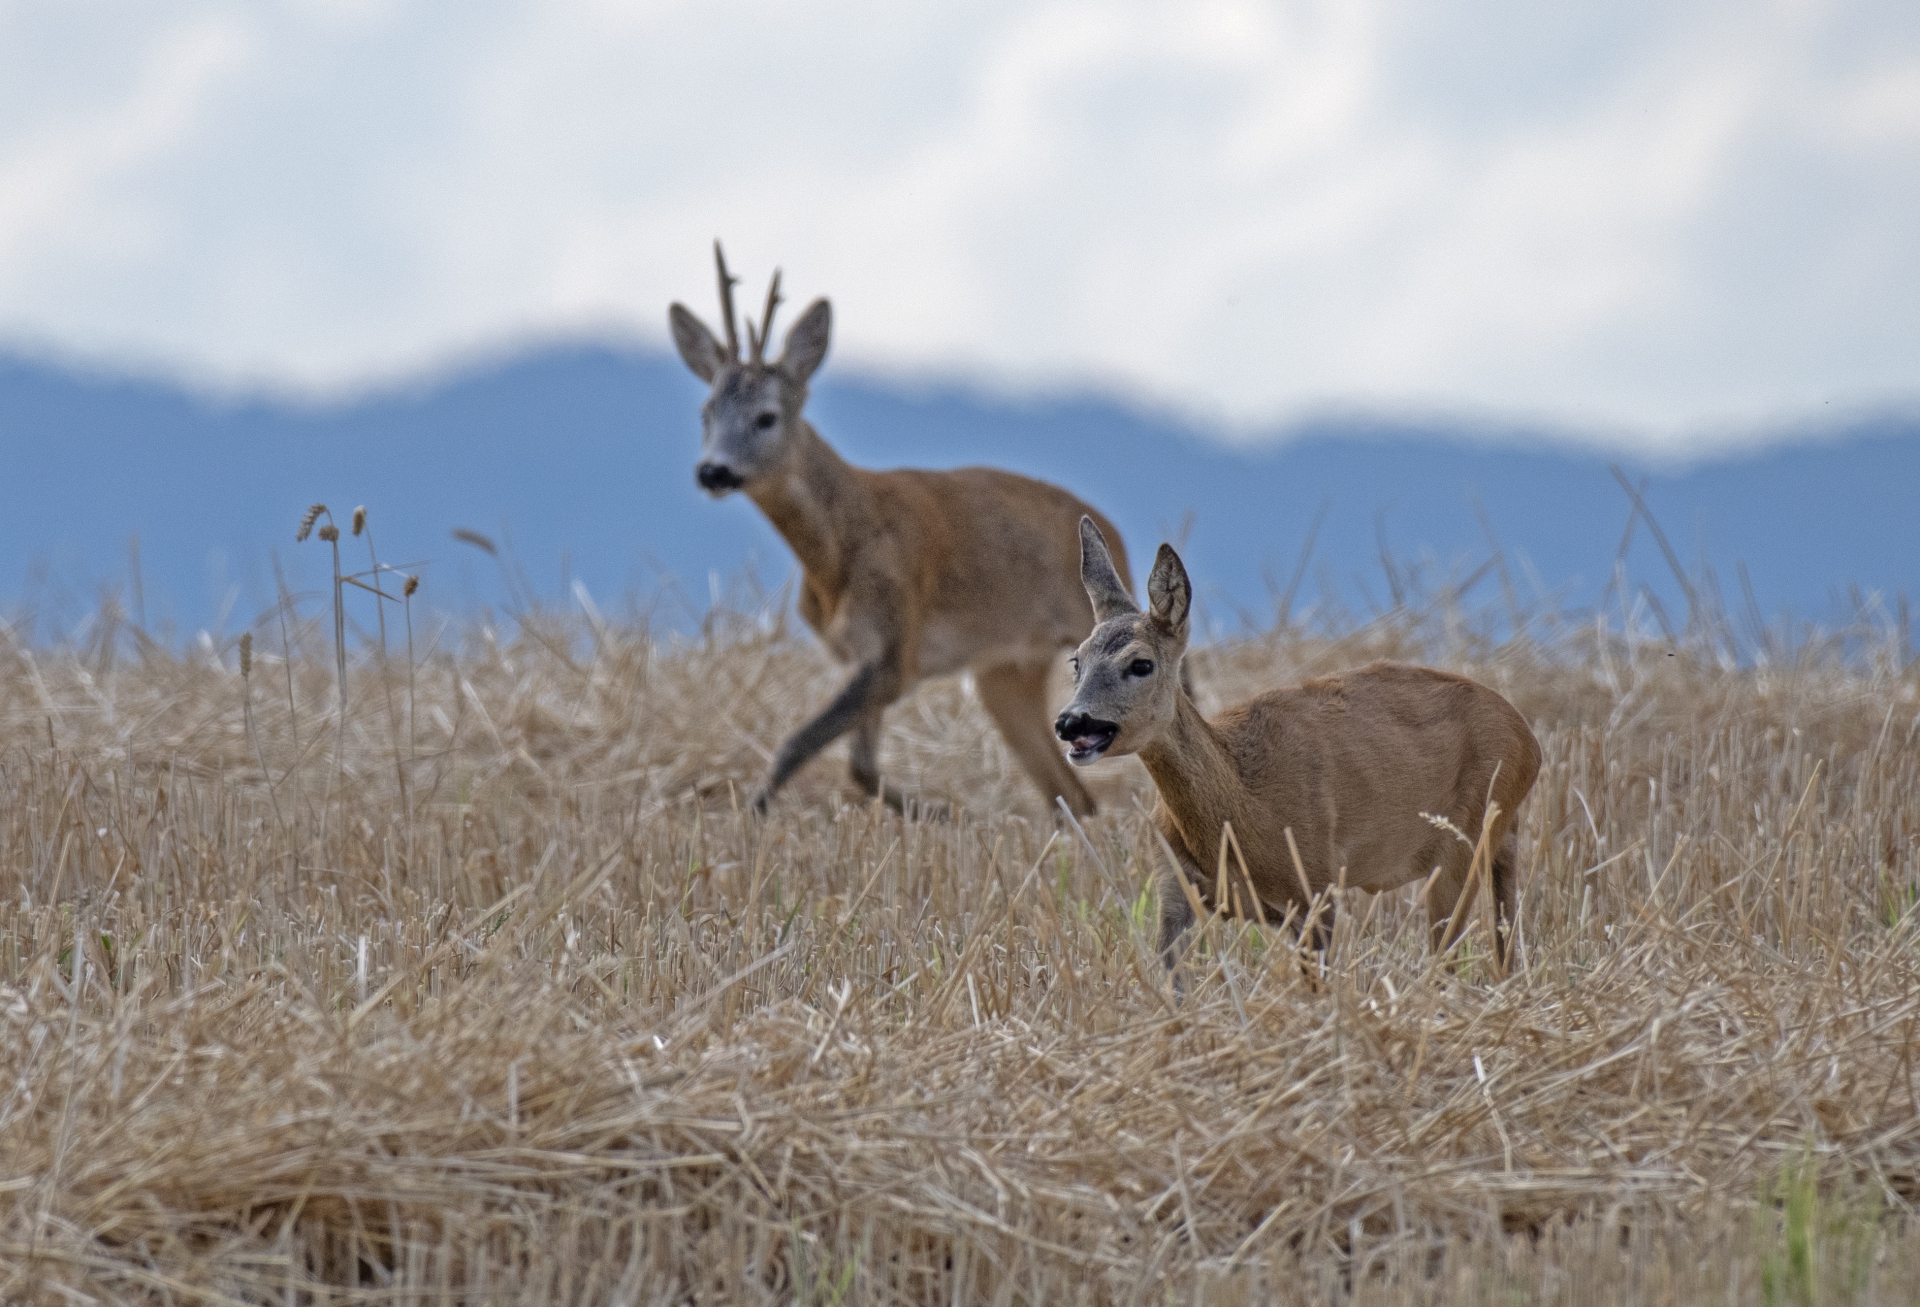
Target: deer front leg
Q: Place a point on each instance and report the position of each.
(872, 688)
(1176, 905)
(864, 764)
(1176, 917)
(863, 756)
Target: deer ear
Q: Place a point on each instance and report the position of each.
(698, 349)
(1104, 586)
(1169, 591)
(807, 343)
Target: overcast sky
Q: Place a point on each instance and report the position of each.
(1655, 222)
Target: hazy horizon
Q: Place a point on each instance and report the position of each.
(582, 457)
(1704, 445)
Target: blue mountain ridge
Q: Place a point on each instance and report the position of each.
(580, 458)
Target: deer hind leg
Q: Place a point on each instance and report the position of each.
(1443, 898)
(1506, 891)
(1015, 696)
(1444, 888)
(1314, 922)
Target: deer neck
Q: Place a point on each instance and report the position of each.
(1198, 782)
(811, 499)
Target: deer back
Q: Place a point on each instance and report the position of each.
(984, 558)
(1356, 764)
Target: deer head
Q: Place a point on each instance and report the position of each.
(749, 419)
(1126, 676)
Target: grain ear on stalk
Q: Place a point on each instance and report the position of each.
(568, 1025)
(307, 519)
(330, 535)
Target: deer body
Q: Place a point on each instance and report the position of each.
(905, 574)
(1347, 764)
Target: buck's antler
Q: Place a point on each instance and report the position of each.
(727, 281)
(758, 342)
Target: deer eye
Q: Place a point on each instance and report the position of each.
(1075, 664)
(766, 421)
(1140, 667)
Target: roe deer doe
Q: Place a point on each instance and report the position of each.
(1345, 764)
(905, 574)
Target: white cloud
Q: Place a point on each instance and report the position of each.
(53, 173)
(1657, 221)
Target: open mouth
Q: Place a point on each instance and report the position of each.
(1091, 741)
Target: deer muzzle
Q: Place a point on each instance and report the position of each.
(1086, 737)
(717, 478)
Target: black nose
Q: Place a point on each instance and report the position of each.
(717, 476)
(1070, 725)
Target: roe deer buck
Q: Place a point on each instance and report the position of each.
(1345, 764)
(905, 574)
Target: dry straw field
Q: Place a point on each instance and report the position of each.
(498, 995)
